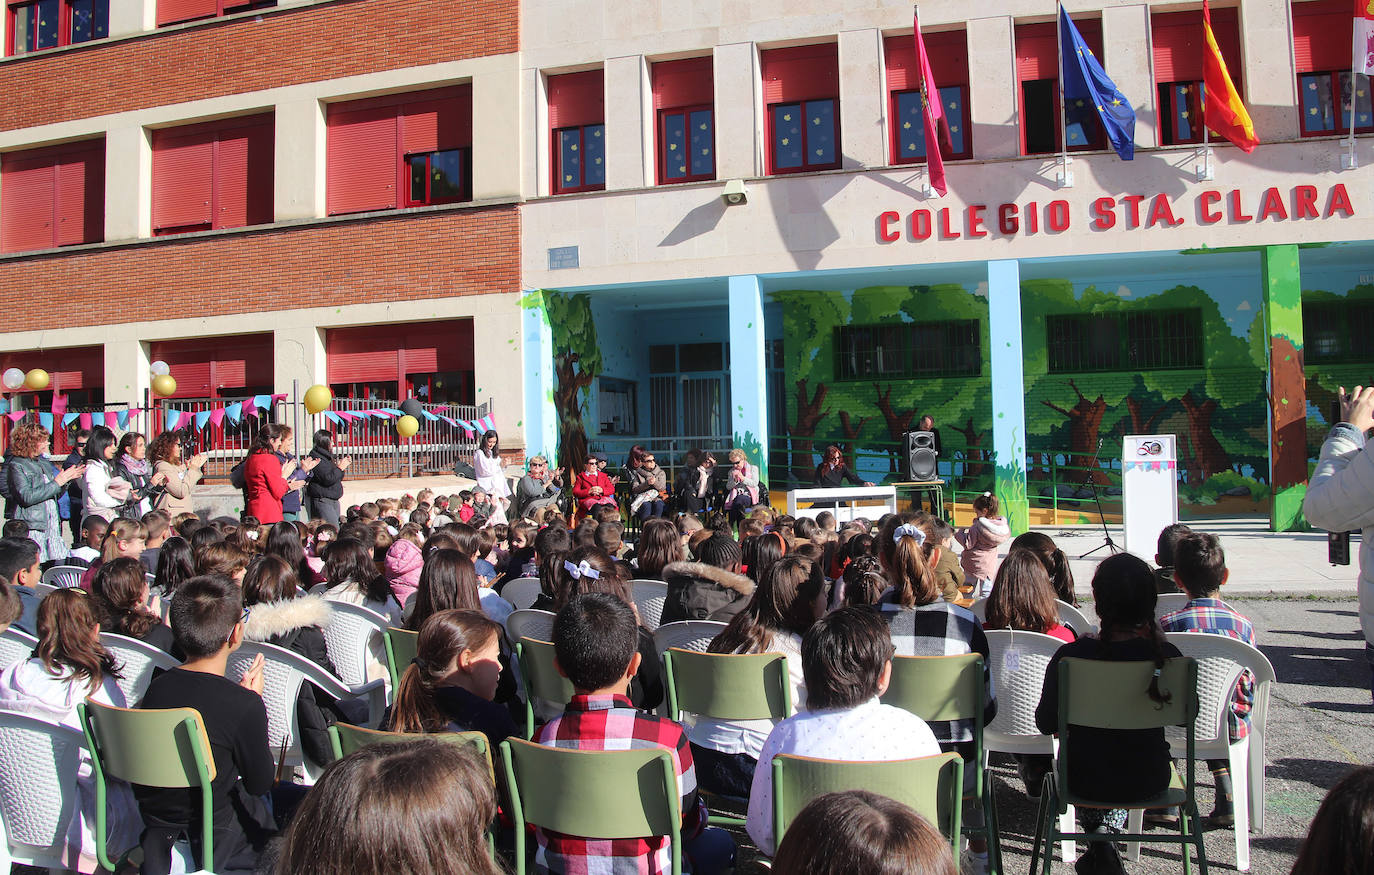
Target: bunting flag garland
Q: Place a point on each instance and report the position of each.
(201, 418)
(184, 420)
(1364, 37)
(85, 421)
(217, 416)
(450, 420)
(1085, 82)
(123, 418)
(249, 406)
(931, 113)
(264, 402)
(69, 418)
(334, 417)
(16, 415)
(45, 420)
(488, 423)
(170, 417)
(432, 417)
(134, 412)
(59, 404)
(234, 412)
(1223, 111)
(111, 419)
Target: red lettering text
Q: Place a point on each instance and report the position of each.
(920, 224)
(1007, 222)
(1162, 212)
(946, 232)
(1305, 202)
(1058, 216)
(886, 232)
(975, 220)
(1237, 214)
(1339, 199)
(1272, 205)
(1133, 201)
(1104, 211)
(1032, 218)
(1209, 199)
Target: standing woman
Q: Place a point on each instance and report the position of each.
(182, 474)
(486, 462)
(131, 463)
(104, 492)
(33, 489)
(326, 480)
(744, 485)
(264, 475)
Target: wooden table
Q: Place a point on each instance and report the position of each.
(913, 490)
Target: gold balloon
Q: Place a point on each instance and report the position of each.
(317, 398)
(164, 385)
(407, 426)
(37, 379)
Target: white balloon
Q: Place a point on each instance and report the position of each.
(13, 378)
(160, 368)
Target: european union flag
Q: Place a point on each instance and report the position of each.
(1087, 89)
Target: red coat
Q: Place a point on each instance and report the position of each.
(263, 487)
(582, 489)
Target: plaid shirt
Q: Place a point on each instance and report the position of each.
(1219, 618)
(611, 723)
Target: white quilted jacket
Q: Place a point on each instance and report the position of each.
(1340, 498)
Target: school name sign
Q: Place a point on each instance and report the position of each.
(1130, 212)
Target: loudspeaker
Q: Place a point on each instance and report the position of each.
(920, 456)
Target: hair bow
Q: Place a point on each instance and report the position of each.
(907, 530)
(581, 570)
(251, 535)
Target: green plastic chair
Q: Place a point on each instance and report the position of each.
(156, 748)
(402, 645)
(1112, 695)
(933, 786)
(592, 794)
(750, 686)
(542, 680)
(951, 688)
(345, 738)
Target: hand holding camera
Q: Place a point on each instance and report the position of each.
(1357, 408)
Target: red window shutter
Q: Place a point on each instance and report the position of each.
(243, 164)
(363, 161)
(261, 172)
(173, 11)
(442, 122)
(1321, 35)
(801, 73)
(28, 192)
(81, 197)
(183, 177)
(1037, 48)
(75, 367)
(204, 365)
(358, 355)
(948, 51)
(687, 82)
(1178, 46)
(577, 99)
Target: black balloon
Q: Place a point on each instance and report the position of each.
(411, 407)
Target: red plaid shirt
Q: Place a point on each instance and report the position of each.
(1219, 618)
(612, 723)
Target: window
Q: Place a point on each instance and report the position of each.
(905, 350)
(577, 115)
(46, 24)
(1157, 340)
(430, 361)
(1321, 55)
(948, 54)
(52, 197)
(418, 143)
(218, 367)
(1338, 332)
(177, 11)
(1037, 73)
(1326, 103)
(801, 87)
(1177, 43)
(689, 407)
(442, 387)
(214, 175)
(616, 406)
(683, 100)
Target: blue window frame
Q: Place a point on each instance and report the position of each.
(804, 135)
(581, 155)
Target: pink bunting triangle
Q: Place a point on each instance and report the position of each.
(134, 412)
(59, 404)
(346, 416)
(111, 419)
(217, 416)
(250, 408)
(85, 421)
(16, 415)
(184, 419)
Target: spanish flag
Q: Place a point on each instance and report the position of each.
(1223, 110)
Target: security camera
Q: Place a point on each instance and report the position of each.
(735, 192)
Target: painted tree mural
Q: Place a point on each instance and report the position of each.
(577, 362)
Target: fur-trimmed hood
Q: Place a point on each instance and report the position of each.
(701, 571)
(273, 619)
(994, 530)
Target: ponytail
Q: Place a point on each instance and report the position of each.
(913, 574)
(442, 640)
(1157, 641)
(1061, 577)
(414, 709)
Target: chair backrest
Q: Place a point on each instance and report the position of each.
(1112, 694)
(1018, 663)
(521, 592)
(649, 596)
(348, 638)
(64, 576)
(346, 738)
(542, 680)
(1169, 602)
(1075, 619)
(402, 645)
(44, 588)
(1220, 661)
(933, 786)
(283, 672)
(38, 795)
(138, 662)
(687, 635)
(530, 624)
(979, 609)
(15, 645)
(746, 686)
(590, 793)
(938, 687)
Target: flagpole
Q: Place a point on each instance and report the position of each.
(927, 188)
(1204, 173)
(1065, 176)
(1349, 162)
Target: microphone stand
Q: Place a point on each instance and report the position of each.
(1091, 483)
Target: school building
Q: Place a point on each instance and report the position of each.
(729, 238)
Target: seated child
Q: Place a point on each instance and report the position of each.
(92, 533)
(19, 568)
(595, 640)
(1200, 569)
(1169, 536)
(949, 574)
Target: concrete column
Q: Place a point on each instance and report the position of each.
(992, 88)
(132, 16)
(497, 94)
(863, 137)
(1268, 88)
(298, 355)
(541, 419)
(497, 336)
(1008, 392)
(1126, 44)
(739, 112)
(127, 379)
(128, 183)
(1287, 387)
(299, 160)
(748, 374)
(627, 91)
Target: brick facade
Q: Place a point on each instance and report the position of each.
(275, 48)
(388, 258)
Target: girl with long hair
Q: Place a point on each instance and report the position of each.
(124, 537)
(353, 577)
(658, 547)
(450, 685)
(174, 566)
(264, 474)
(1022, 598)
(551, 547)
(448, 581)
(1055, 562)
(759, 552)
(489, 471)
(284, 540)
(119, 595)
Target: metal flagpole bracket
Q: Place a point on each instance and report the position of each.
(927, 190)
(1348, 159)
(1205, 171)
(1065, 174)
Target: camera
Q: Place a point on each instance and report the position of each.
(1338, 548)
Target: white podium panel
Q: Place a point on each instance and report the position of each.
(846, 502)
(1149, 486)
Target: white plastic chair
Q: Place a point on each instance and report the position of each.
(138, 661)
(15, 645)
(687, 634)
(354, 635)
(283, 674)
(530, 624)
(979, 609)
(44, 588)
(1018, 662)
(64, 576)
(1075, 619)
(38, 797)
(649, 596)
(1170, 602)
(521, 592)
